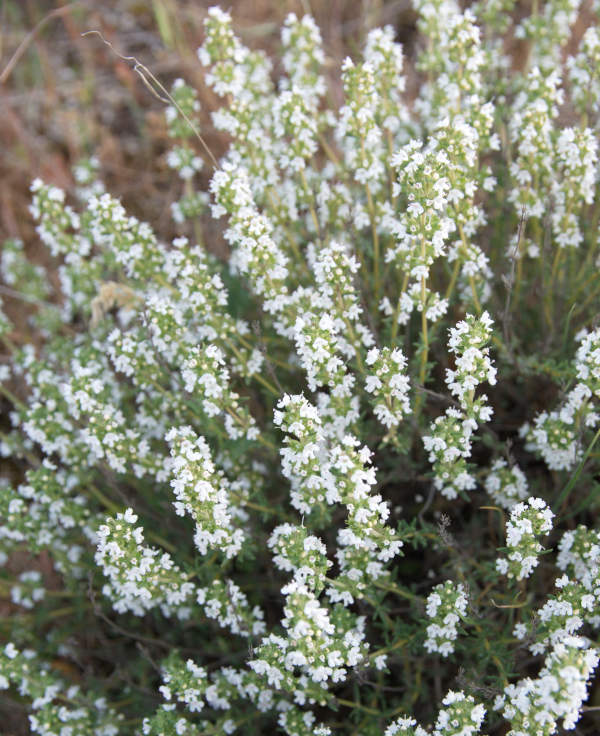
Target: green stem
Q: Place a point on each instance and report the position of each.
(13, 398)
(329, 152)
(391, 588)
(189, 191)
(549, 288)
(353, 705)
(375, 234)
(425, 351)
(258, 507)
(453, 278)
(309, 197)
(257, 376)
(397, 310)
(564, 495)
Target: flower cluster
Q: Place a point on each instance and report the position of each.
(468, 342)
(575, 601)
(555, 435)
(531, 128)
(140, 577)
(205, 373)
(446, 606)
(506, 484)
(322, 642)
(388, 384)
(28, 592)
(201, 492)
(58, 707)
(459, 716)
(449, 444)
(234, 70)
(303, 55)
(256, 254)
(534, 705)
(358, 129)
(583, 73)
(528, 521)
(549, 30)
(192, 687)
(301, 553)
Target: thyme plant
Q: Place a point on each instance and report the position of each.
(344, 482)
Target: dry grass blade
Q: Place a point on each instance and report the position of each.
(157, 89)
(30, 37)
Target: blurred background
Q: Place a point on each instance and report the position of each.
(64, 96)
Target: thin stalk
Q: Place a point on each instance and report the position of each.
(12, 398)
(258, 377)
(236, 418)
(397, 310)
(329, 152)
(390, 144)
(564, 495)
(474, 295)
(548, 290)
(592, 296)
(396, 645)
(309, 197)
(425, 352)
(471, 279)
(453, 278)
(375, 235)
(189, 190)
(272, 195)
(398, 591)
(353, 705)
(258, 507)
(249, 346)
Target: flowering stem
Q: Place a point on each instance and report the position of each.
(329, 152)
(453, 278)
(12, 398)
(12, 348)
(258, 507)
(257, 376)
(272, 194)
(390, 144)
(471, 279)
(309, 197)
(356, 344)
(189, 191)
(425, 350)
(115, 508)
(591, 297)
(350, 704)
(397, 311)
(398, 591)
(474, 294)
(396, 645)
(548, 290)
(375, 234)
